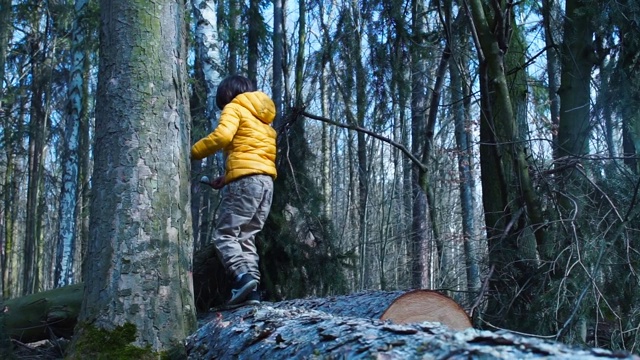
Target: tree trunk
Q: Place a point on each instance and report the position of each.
(43, 315)
(420, 264)
(7, 220)
(206, 38)
(85, 162)
(300, 56)
(12, 197)
(325, 147)
(37, 133)
(443, 267)
(278, 53)
(253, 53)
(265, 332)
(203, 112)
(465, 160)
(235, 36)
(573, 142)
(551, 18)
(575, 94)
(140, 250)
(509, 200)
(64, 274)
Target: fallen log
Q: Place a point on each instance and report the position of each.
(295, 333)
(43, 315)
(53, 313)
(399, 307)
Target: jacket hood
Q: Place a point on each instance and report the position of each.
(259, 104)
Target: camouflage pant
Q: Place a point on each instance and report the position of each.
(245, 205)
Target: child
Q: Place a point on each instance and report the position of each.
(245, 134)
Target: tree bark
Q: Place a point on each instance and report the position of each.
(551, 18)
(278, 54)
(8, 217)
(265, 332)
(206, 38)
(235, 36)
(68, 211)
(399, 307)
(140, 249)
(37, 132)
(464, 147)
(420, 238)
(203, 113)
(255, 28)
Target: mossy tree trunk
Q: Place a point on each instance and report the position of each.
(138, 265)
(509, 201)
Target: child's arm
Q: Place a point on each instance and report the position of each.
(220, 137)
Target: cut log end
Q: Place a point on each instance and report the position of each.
(427, 305)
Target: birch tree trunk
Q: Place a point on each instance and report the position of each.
(139, 260)
(204, 115)
(64, 274)
(207, 42)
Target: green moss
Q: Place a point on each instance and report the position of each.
(115, 344)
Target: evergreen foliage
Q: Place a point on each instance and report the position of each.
(297, 251)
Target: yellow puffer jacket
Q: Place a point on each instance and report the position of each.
(245, 134)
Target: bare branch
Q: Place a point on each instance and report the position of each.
(399, 146)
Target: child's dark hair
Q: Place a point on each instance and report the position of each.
(231, 87)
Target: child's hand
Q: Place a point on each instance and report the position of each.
(218, 183)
